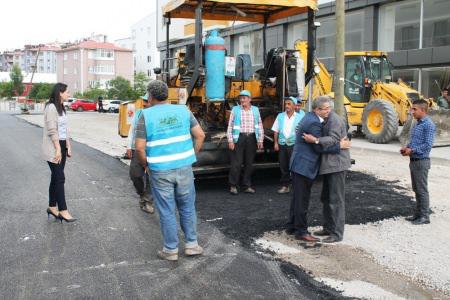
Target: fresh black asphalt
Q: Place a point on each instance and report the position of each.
(110, 252)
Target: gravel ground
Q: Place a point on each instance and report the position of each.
(375, 227)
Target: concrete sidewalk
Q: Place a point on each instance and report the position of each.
(361, 144)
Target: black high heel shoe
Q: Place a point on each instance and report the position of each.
(49, 212)
(61, 218)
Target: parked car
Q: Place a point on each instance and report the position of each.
(111, 105)
(69, 102)
(83, 104)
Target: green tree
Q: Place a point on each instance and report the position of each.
(17, 80)
(94, 93)
(6, 90)
(40, 91)
(140, 84)
(120, 89)
(78, 95)
(44, 91)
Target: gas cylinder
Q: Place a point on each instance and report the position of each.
(215, 66)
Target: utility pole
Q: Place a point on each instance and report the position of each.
(339, 60)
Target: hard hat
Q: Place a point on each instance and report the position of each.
(145, 97)
(245, 93)
(293, 99)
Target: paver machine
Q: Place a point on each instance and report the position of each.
(208, 80)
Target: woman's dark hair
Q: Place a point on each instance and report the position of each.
(55, 97)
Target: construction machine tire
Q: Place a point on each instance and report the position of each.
(379, 122)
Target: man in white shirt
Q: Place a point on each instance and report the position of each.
(284, 139)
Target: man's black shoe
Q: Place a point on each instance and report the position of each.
(412, 218)
(331, 239)
(290, 231)
(322, 232)
(421, 220)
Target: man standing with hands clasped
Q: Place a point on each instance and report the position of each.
(284, 139)
(418, 150)
(245, 133)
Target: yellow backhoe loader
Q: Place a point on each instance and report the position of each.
(375, 104)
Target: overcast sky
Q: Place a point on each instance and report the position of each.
(41, 21)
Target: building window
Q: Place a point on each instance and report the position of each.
(149, 44)
(75, 71)
(250, 43)
(149, 58)
(433, 80)
(149, 30)
(65, 71)
(148, 73)
(399, 26)
(65, 56)
(436, 23)
(75, 85)
(105, 53)
(101, 69)
(296, 31)
(75, 55)
(409, 76)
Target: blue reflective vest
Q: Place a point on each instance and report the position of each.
(237, 122)
(290, 140)
(169, 141)
(137, 115)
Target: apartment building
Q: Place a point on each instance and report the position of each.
(90, 64)
(6, 61)
(415, 33)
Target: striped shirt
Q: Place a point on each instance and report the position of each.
(422, 138)
(247, 125)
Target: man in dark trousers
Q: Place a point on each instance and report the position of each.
(333, 167)
(100, 104)
(418, 150)
(245, 133)
(305, 163)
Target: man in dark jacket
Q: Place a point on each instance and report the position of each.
(333, 167)
(305, 164)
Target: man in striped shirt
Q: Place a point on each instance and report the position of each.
(418, 150)
(245, 133)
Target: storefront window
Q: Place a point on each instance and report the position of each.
(250, 43)
(326, 34)
(399, 27)
(433, 80)
(409, 76)
(297, 31)
(436, 23)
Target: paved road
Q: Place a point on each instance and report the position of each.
(110, 252)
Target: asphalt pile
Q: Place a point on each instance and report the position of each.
(246, 217)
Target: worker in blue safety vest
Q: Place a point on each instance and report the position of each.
(284, 139)
(167, 139)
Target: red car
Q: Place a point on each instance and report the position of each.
(83, 104)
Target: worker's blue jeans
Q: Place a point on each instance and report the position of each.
(175, 189)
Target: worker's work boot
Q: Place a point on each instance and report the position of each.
(192, 251)
(146, 204)
(249, 190)
(233, 190)
(167, 255)
(284, 190)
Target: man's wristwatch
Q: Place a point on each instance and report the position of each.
(316, 142)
